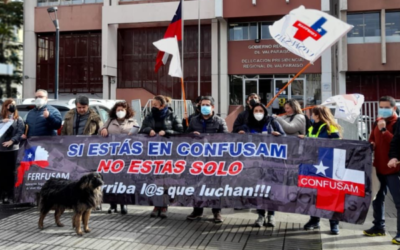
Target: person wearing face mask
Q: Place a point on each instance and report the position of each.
(11, 127)
(324, 126)
(243, 117)
(206, 123)
(120, 121)
(294, 122)
(386, 146)
(81, 120)
(44, 120)
(260, 123)
(196, 107)
(163, 122)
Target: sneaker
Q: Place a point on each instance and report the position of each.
(312, 224)
(335, 228)
(260, 221)
(374, 231)
(124, 210)
(163, 213)
(218, 218)
(396, 240)
(270, 221)
(194, 215)
(155, 212)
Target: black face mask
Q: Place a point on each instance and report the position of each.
(155, 111)
(253, 102)
(11, 108)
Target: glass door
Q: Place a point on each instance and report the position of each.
(277, 105)
(296, 90)
(249, 86)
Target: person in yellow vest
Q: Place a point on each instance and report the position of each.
(323, 126)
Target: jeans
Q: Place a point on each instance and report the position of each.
(331, 222)
(262, 212)
(199, 210)
(393, 183)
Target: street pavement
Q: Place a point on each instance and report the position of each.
(136, 230)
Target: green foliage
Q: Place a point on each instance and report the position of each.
(11, 20)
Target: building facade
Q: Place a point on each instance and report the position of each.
(106, 50)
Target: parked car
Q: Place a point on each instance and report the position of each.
(64, 106)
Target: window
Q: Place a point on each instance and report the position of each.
(392, 26)
(265, 30)
(243, 31)
(366, 28)
(65, 2)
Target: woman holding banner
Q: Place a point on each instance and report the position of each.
(163, 122)
(260, 123)
(11, 129)
(294, 122)
(324, 126)
(120, 121)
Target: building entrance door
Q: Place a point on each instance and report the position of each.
(296, 90)
(249, 86)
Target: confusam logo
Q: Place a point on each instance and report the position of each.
(332, 179)
(32, 156)
(314, 31)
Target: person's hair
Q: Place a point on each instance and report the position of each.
(129, 111)
(198, 99)
(388, 99)
(295, 105)
(4, 109)
(262, 106)
(251, 95)
(43, 90)
(82, 100)
(207, 98)
(325, 115)
(164, 100)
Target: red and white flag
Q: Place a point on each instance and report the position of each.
(307, 32)
(170, 46)
(174, 30)
(348, 107)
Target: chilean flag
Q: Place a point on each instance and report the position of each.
(32, 156)
(174, 29)
(332, 179)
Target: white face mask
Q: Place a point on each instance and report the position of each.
(121, 114)
(40, 102)
(259, 116)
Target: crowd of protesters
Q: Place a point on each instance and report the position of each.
(45, 120)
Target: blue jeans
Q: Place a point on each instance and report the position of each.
(262, 212)
(393, 183)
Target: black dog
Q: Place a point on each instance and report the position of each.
(80, 196)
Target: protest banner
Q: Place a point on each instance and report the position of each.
(319, 177)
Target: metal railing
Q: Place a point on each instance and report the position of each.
(369, 114)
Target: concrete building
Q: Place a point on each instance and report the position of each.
(106, 50)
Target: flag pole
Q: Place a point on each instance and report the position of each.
(184, 101)
(287, 84)
(199, 41)
(183, 66)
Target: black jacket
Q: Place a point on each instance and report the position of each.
(189, 118)
(14, 133)
(394, 151)
(170, 124)
(214, 124)
(241, 121)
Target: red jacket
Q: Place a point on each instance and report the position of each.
(382, 146)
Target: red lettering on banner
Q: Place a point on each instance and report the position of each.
(221, 171)
(117, 166)
(158, 164)
(179, 167)
(146, 167)
(104, 166)
(197, 168)
(331, 193)
(134, 167)
(167, 167)
(235, 168)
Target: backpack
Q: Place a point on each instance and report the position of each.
(307, 124)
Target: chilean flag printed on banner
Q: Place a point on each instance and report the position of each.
(307, 32)
(32, 156)
(332, 180)
(174, 29)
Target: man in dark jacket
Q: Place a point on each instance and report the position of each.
(242, 118)
(207, 122)
(196, 107)
(81, 120)
(44, 120)
(383, 140)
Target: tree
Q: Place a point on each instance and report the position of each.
(11, 20)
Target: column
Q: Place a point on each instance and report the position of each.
(29, 57)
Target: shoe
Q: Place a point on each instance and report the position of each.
(260, 221)
(195, 215)
(6, 201)
(124, 210)
(396, 240)
(374, 231)
(163, 213)
(335, 228)
(112, 207)
(218, 217)
(270, 221)
(312, 224)
(155, 212)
